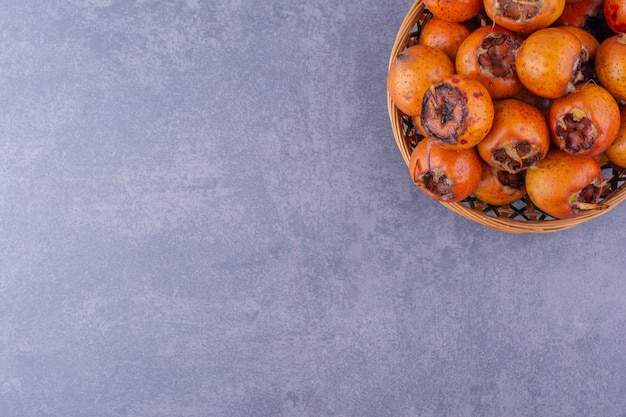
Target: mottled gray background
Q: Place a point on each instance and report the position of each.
(204, 213)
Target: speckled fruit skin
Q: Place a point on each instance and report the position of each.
(617, 151)
(412, 72)
(615, 15)
(454, 10)
(515, 121)
(463, 167)
(546, 62)
(549, 13)
(598, 105)
(554, 182)
(491, 191)
(467, 63)
(611, 65)
(588, 42)
(445, 35)
(479, 119)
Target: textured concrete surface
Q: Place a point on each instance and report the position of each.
(204, 213)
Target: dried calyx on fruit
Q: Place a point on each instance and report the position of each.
(564, 185)
(496, 55)
(443, 112)
(444, 174)
(511, 180)
(524, 16)
(488, 55)
(437, 182)
(518, 10)
(576, 131)
(516, 156)
(457, 112)
(497, 187)
(518, 139)
(412, 72)
(585, 122)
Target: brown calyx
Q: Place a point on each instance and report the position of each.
(444, 109)
(513, 180)
(515, 156)
(496, 55)
(438, 183)
(586, 198)
(576, 131)
(589, 194)
(519, 10)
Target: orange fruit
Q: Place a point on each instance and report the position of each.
(457, 112)
(524, 16)
(584, 122)
(610, 64)
(497, 187)
(518, 138)
(444, 35)
(454, 10)
(412, 72)
(564, 185)
(548, 62)
(488, 55)
(445, 174)
(617, 151)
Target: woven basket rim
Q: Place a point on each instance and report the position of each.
(503, 224)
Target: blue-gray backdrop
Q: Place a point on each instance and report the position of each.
(204, 213)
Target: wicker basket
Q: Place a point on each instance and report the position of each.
(519, 217)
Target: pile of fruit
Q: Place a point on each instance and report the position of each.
(516, 98)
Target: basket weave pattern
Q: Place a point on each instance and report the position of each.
(519, 217)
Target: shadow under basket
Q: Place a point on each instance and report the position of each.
(519, 217)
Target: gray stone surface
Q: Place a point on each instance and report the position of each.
(204, 213)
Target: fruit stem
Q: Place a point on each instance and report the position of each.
(591, 206)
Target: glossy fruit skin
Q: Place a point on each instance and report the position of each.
(477, 62)
(461, 170)
(588, 42)
(519, 130)
(615, 15)
(556, 183)
(445, 35)
(602, 114)
(412, 72)
(616, 153)
(548, 61)
(610, 65)
(492, 191)
(454, 10)
(477, 114)
(547, 13)
(590, 47)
